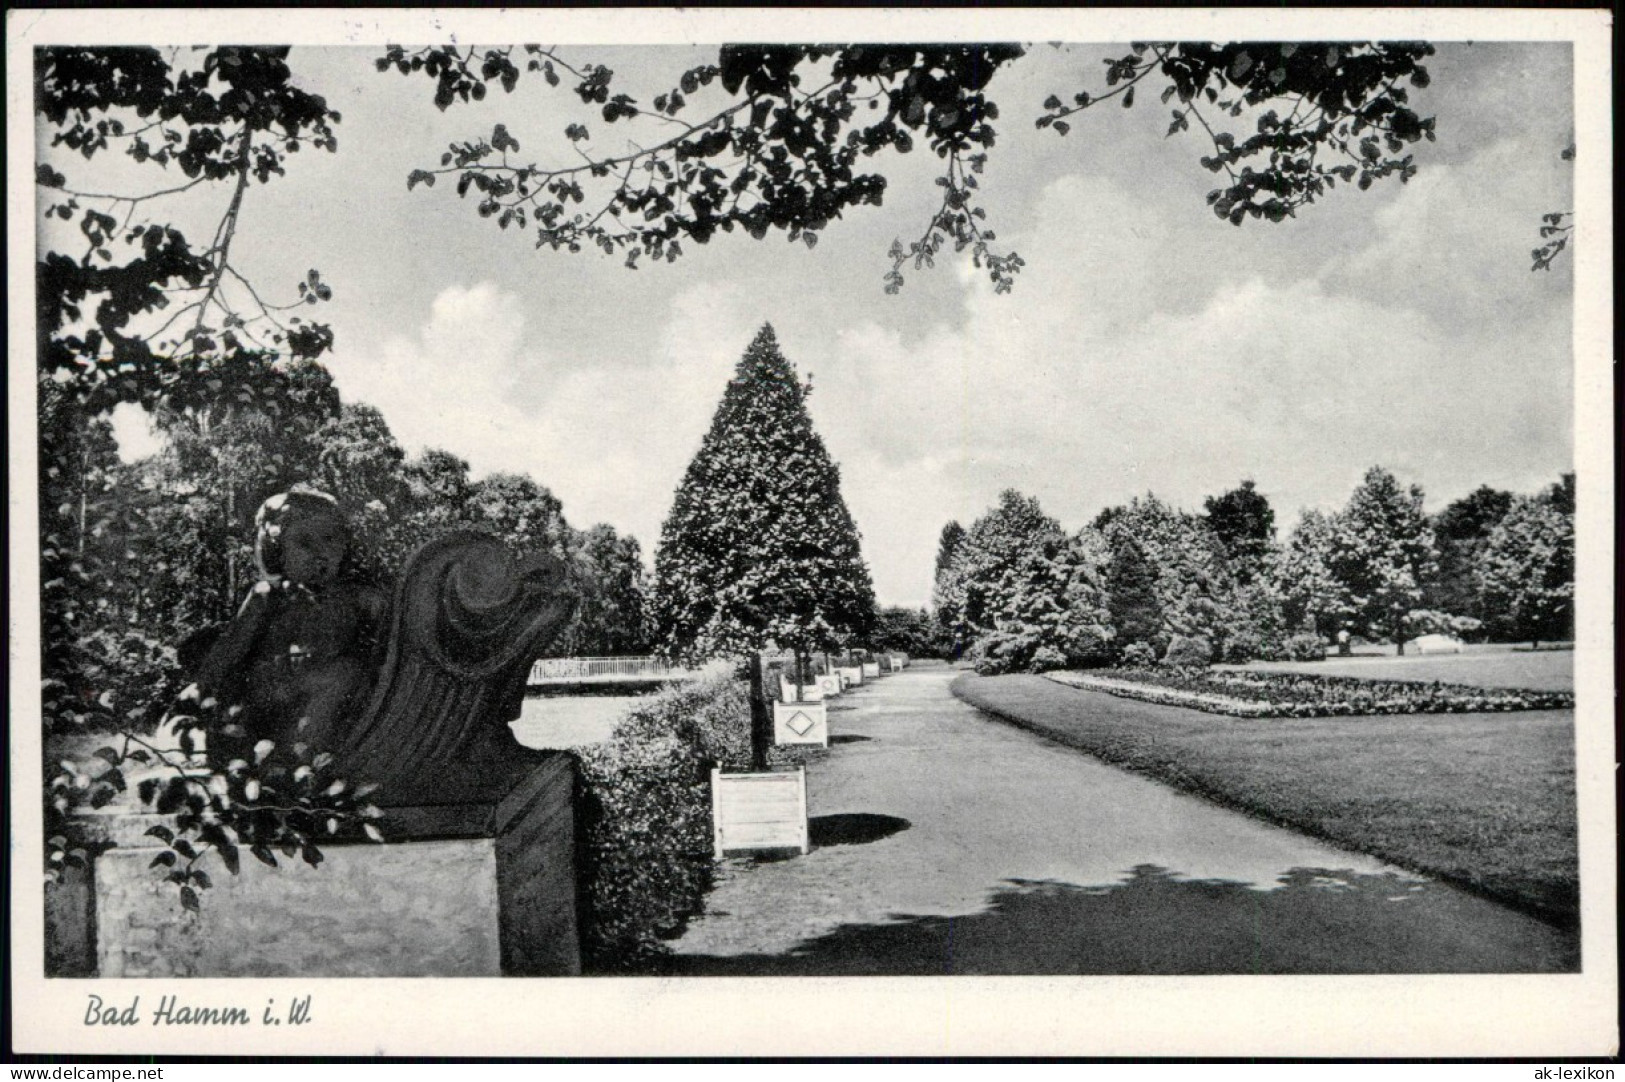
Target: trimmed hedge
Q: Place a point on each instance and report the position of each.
(1290, 695)
(647, 860)
(1189, 652)
(1139, 655)
(1306, 646)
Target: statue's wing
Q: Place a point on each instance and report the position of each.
(468, 622)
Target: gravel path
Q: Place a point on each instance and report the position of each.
(947, 842)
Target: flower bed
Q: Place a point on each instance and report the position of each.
(1247, 694)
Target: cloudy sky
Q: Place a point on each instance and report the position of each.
(1147, 345)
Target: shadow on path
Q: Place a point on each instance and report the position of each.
(1317, 922)
(849, 738)
(853, 828)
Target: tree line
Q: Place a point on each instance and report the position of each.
(141, 558)
(1148, 581)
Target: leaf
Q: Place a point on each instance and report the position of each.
(419, 176)
(263, 853)
(162, 833)
(189, 899)
(166, 859)
(1128, 99)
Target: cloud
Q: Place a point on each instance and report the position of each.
(1147, 345)
(454, 383)
(610, 439)
(1455, 241)
(1147, 366)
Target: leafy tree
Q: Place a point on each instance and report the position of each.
(1191, 575)
(909, 631)
(1052, 611)
(1131, 585)
(99, 670)
(360, 464)
(1460, 532)
(1244, 522)
(993, 547)
(1386, 555)
(438, 489)
(948, 595)
(613, 618)
(776, 138)
(520, 512)
(1473, 516)
(948, 546)
(222, 457)
(1561, 495)
(1253, 621)
(759, 549)
(1314, 598)
(130, 309)
(1526, 572)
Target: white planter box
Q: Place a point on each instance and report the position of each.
(809, 692)
(871, 670)
(759, 811)
(830, 684)
(801, 723)
(851, 676)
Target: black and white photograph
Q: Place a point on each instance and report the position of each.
(535, 533)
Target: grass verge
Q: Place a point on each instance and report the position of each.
(1485, 801)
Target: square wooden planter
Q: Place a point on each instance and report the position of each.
(801, 723)
(752, 812)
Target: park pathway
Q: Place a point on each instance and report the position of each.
(948, 842)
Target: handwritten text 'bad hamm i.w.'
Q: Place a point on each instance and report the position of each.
(172, 1012)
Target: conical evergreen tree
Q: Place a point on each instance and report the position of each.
(759, 549)
(1131, 584)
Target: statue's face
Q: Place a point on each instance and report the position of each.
(312, 549)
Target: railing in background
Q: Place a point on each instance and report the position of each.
(574, 669)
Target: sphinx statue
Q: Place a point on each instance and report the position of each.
(413, 691)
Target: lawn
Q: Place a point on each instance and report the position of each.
(570, 721)
(1485, 666)
(1482, 800)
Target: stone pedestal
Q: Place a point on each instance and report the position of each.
(459, 890)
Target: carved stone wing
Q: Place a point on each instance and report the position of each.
(467, 623)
